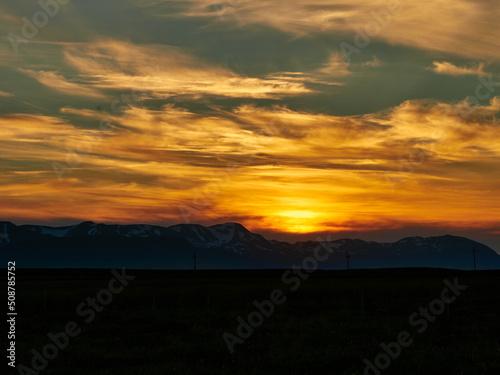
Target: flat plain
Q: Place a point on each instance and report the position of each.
(172, 322)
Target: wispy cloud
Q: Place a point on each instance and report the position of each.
(461, 27)
(326, 167)
(164, 71)
(374, 62)
(328, 74)
(336, 66)
(57, 82)
(445, 67)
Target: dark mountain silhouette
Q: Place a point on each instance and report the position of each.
(229, 245)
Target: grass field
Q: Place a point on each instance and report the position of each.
(172, 322)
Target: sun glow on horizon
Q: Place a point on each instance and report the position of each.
(298, 221)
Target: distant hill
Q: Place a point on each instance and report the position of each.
(222, 246)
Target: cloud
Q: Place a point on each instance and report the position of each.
(231, 162)
(36, 137)
(286, 169)
(303, 77)
(462, 27)
(57, 82)
(163, 71)
(444, 67)
(328, 74)
(375, 62)
(336, 66)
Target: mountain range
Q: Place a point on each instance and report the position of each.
(222, 246)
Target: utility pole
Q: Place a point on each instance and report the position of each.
(474, 253)
(194, 260)
(347, 257)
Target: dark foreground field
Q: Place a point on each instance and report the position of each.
(168, 322)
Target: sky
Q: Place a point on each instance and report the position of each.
(368, 119)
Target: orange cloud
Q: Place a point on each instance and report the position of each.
(336, 66)
(375, 62)
(285, 170)
(163, 72)
(462, 27)
(444, 67)
(59, 83)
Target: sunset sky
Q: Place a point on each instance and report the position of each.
(372, 119)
